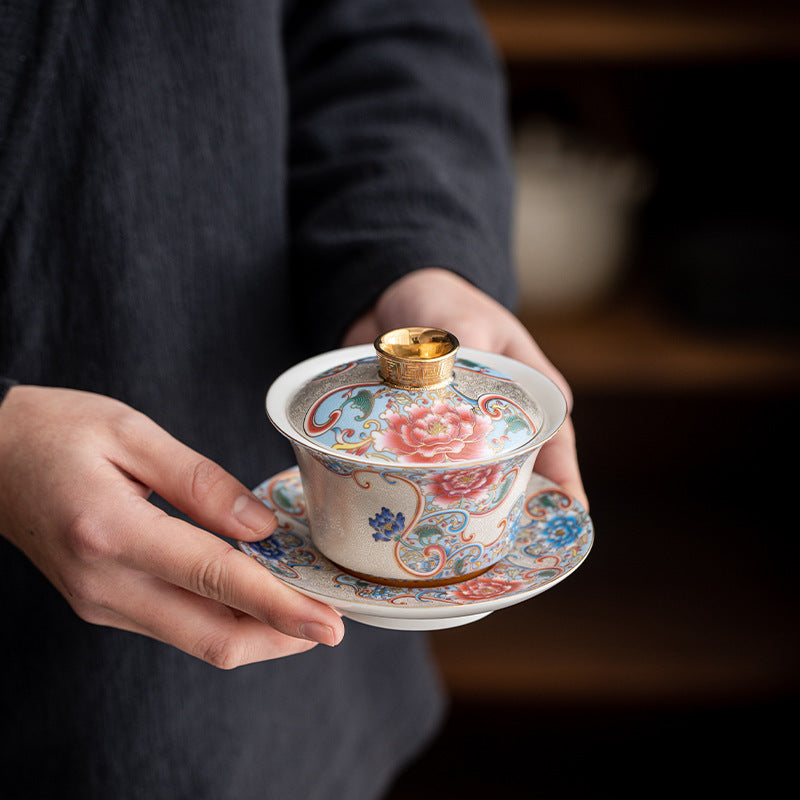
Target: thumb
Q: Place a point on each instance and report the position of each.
(363, 331)
(192, 483)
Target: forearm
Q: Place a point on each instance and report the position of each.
(399, 153)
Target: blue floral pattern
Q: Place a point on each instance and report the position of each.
(563, 530)
(387, 525)
(554, 537)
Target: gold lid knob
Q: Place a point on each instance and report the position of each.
(416, 358)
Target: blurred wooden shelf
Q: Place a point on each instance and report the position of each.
(616, 31)
(689, 595)
(629, 345)
(559, 652)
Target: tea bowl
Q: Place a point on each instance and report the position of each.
(414, 453)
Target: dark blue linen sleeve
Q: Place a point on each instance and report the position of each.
(399, 153)
(5, 385)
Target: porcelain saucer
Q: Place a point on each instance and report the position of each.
(554, 537)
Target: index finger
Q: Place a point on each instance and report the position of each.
(179, 553)
(192, 483)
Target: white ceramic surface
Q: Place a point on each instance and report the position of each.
(554, 538)
(413, 514)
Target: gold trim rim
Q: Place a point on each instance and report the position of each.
(277, 414)
(414, 583)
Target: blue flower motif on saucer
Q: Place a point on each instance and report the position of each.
(282, 552)
(270, 548)
(387, 525)
(562, 531)
(539, 559)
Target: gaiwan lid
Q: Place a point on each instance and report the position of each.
(415, 398)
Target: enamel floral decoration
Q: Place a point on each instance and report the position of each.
(414, 456)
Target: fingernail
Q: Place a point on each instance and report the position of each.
(317, 632)
(253, 515)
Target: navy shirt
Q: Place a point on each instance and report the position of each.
(193, 196)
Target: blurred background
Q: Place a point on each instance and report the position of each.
(659, 257)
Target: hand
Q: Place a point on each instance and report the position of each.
(437, 298)
(75, 473)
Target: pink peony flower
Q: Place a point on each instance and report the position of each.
(475, 484)
(434, 434)
(485, 588)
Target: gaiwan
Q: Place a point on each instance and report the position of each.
(414, 453)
